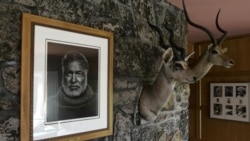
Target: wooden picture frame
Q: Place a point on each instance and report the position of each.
(230, 101)
(44, 43)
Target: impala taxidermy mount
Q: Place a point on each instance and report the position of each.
(174, 68)
(214, 55)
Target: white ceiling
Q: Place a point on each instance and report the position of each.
(234, 17)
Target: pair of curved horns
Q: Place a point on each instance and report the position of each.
(210, 34)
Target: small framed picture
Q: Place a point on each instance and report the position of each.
(229, 101)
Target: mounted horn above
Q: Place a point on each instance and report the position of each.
(179, 52)
(222, 38)
(210, 34)
(214, 55)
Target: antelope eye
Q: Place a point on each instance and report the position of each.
(214, 52)
(178, 67)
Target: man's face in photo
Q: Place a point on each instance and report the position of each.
(74, 79)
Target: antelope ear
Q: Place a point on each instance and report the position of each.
(209, 46)
(187, 57)
(224, 50)
(168, 55)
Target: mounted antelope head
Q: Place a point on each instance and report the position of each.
(214, 55)
(173, 69)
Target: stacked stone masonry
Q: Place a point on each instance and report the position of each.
(137, 57)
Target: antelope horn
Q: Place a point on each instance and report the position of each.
(180, 49)
(222, 38)
(163, 44)
(210, 34)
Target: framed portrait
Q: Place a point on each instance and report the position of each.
(230, 101)
(66, 80)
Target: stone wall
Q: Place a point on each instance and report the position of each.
(137, 57)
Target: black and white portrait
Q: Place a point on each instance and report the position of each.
(72, 82)
(241, 111)
(217, 109)
(229, 91)
(218, 91)
(240, 91)
(229, 110)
